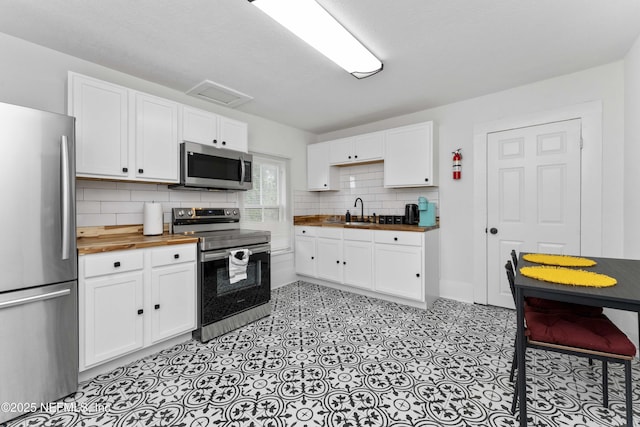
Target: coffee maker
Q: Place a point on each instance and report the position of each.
(427, 212)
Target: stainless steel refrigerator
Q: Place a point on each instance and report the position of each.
(38, 262)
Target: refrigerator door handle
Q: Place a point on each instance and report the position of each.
(65, 172)
(35, 298)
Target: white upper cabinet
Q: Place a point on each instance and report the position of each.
(124, 134)
(361, 148)
(102, 117)
(410, 156)
(340, 151)
(211, 129)
(199, 126)
(320, 175)
(156, 138)
(233, 134)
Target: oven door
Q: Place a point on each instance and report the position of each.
(219, 298)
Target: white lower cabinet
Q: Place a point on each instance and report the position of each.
(399, 271)
(402, 264)
(112, 325)
(170, 297)
(358, 258)
(305, 251)
(329, 253)
(131, 299)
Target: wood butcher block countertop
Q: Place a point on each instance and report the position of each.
(326, 221)
(93, 240)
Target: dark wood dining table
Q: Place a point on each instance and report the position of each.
(625, 295)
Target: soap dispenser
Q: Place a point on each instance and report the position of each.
(347, 217)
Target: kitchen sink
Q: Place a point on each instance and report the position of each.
(353, 223)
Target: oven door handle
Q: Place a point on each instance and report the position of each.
(218, 255)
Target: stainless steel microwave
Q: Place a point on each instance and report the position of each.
(204, 167)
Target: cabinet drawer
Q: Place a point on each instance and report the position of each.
(306, 231)
(330, 232)
(407, 238)
(173, 255)
(113, 262)
(359, 235)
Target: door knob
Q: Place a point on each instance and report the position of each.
(493, 230)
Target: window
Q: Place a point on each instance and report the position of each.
(265, 207)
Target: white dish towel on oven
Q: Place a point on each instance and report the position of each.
(238, 260)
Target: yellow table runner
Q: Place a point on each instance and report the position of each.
(568, 276)
(560, 260)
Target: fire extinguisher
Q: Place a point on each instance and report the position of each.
(457, 164)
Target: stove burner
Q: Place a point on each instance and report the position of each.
(217, 228)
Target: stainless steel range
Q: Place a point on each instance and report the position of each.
(234, 274)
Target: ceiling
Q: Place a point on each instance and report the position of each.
(434, 51)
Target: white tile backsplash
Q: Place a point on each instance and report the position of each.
(121, 203)
(100, 203)
(366, 182)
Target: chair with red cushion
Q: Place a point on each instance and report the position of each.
(594, 337)
(548, 306)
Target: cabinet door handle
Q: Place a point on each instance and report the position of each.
(140, 311)
(304, 231)
(224, 142)
(313, 257)
(344, 262)
(325, 185)
(338, 262)
(418, 275)
(395, 239)
(426, 180)
(215, 141)
(116, 264)
(140, 170)
(356, 156)
(125, 170)
(349, 156)
(157, 306)
(176, 256)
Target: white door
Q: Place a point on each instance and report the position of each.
(533, 197)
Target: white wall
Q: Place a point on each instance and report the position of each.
(632, 153)
(455, 125)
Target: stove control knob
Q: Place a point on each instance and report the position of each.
(227, 213)
(190, 212)
(180, 213)
(235, 212)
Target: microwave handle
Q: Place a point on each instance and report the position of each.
(242, 171)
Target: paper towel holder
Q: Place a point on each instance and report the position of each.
(152, 219)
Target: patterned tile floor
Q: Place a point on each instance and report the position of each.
(332, 358)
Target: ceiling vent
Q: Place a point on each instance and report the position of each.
(219, 94)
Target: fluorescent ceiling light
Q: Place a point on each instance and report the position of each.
(309, 21)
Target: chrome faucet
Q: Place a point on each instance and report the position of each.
(361, 208)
